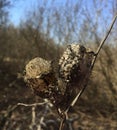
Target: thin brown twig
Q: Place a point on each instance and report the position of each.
(31, 105)
(62, 124)
(33, 123)
(93, 62)
(103, 41)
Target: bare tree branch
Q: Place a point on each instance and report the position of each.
(103, 41)
(97, 52)
(87, 76)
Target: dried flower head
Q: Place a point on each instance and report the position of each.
(73, 68)
(40, 77)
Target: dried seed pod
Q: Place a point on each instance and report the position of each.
(73, 68)
(60, 87)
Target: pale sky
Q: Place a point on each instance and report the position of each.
(17, 11)
(20, 7)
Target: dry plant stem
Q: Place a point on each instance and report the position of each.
(62, 124)
(33, 115)
(30, 105)
(103, 41)
(33, 118)
(93, 62)
(63, 121)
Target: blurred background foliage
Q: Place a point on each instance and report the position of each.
(45, 32)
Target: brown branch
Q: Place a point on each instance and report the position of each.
(31, 105)
(62, 124)
(33, 123)
(103, 41)
(87, 76)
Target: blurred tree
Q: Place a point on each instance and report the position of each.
(4, 4)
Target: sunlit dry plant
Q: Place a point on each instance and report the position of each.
(64, 86)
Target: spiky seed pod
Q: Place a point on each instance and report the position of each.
(73, 68)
